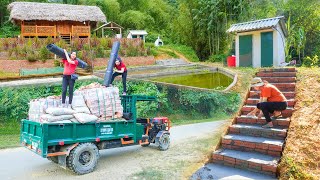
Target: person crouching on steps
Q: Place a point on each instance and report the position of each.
(70, 64)
(120, 69)
(272, 101)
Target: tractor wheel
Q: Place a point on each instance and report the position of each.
(53, 159)
(83, 158)
(164, 142)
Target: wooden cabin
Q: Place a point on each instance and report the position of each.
(55, 20)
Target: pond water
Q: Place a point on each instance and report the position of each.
(204, 80)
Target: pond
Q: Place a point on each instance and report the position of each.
(204, 80)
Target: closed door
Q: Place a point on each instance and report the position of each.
(245, 51)
(63, 28)
(266, 49)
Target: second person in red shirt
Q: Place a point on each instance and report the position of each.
(120, 69)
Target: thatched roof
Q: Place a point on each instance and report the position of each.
(54, 12)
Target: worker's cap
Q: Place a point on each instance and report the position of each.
(257, 82)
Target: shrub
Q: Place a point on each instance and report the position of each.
(218, 58)
(31, 56)
(311, 62)
(57, 63)
(44, 53)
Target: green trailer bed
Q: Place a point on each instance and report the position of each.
(39, 137)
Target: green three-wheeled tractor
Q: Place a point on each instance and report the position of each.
(76, 146)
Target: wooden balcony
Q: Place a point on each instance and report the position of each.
(36, 31)
(80, 31)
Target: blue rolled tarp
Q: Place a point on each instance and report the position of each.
(59, 52)
(112, 60)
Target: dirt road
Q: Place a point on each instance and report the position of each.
(190, 144)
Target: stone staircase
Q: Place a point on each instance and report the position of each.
(247, 145)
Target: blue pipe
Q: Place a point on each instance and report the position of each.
(59, 52)
(112, 60)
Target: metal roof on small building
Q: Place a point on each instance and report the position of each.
(138, 32)
(259, 25)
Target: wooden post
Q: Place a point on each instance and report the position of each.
(36, 30)
(22, 28)
(89, 32)
(55, 31)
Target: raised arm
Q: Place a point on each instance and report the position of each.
(68, 58)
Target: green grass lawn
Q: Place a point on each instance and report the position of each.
(9, 134)
(9, 141)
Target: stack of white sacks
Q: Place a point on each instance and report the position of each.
(90, 103)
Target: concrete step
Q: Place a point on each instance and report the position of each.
(276, 74)
(258, 131)
(272, 147)
(248, 108)
(292, 69)
(279, 122)
(251, 161)
(254, 101)
(218, 171)
(278, 70)
(283, 86)
(279, 79)
(287, 94)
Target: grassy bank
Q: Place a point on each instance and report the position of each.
(301, 156)
(9, 134)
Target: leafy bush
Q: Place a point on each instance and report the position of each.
(145, 109)
(218, 58)
(9, 30)
(208, 103)
(31, 56)
(57, 63)
(44, 53)
(311, 62)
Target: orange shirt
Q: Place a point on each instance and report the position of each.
(272, 93)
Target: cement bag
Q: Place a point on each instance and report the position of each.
(82, 110)
(103, 102)
(84, 118)
(79, 105)
(50, 118)
(78, 101)
(59, 111)
(37, 107)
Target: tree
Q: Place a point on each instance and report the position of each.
(304, 30)
(111, 8)
(136, 20)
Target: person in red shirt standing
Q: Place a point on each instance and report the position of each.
(120, 69)
(70, 64)
(272, 101)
